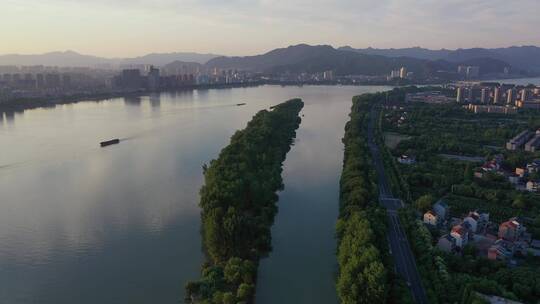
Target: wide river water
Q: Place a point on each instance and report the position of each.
(84, 224)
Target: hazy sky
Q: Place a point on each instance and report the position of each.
(242, 27)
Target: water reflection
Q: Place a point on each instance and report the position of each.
(10, 117)
(133, 100)
(83, 224)
(155, 100)
(303, 234)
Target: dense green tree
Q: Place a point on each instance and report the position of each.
(519, 202)
(361, 227)
(244, 291)
(424, 203)
(238, 204)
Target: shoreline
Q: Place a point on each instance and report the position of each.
(46, 102)
(36, 103)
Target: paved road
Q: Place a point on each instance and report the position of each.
(397, 239)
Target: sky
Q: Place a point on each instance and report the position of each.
(125, 28)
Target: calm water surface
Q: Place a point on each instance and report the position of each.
(82, 224)
(519, 81)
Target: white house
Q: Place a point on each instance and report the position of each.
(407, 160)
(461, 235)
(532, 186)
(431, 218)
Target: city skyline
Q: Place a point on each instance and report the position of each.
(239, 27)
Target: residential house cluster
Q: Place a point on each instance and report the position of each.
(527, 175)
(496, 242)
(491, 166)
(523, 178)
(462, 231)
(512, 239)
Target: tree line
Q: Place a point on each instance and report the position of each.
(361, 226)
(238, 202)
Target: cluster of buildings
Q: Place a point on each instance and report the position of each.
(468, 72)
(51, 82)
(401, 73)
(476, 109)
(180, 76)
(496, 242)
(133, 79)
(483, 97)
(23, 82)
(497, 98)
(431, 97)
(528, 140)
(523, 178)
(399, 119)
(298, 78)
(41, 81)
(526, 178)
(528, 174)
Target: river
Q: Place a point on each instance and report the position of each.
(519, 81)
(84, 224)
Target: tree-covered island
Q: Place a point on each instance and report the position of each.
(238, 202)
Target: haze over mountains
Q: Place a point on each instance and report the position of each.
(526, 58)
(74, 59)
(312, 59)
(307, 58)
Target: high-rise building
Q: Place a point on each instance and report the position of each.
(403, 73)
(524, 95)
(510, 96)
(496, 95)
(40, 81)
(66, 81)
(131, 78)
(473, 72)
(484, 95)
(470, 95)
(459, 94)
(328, 75)
(52, 81)
(153, 79)
(8, 78)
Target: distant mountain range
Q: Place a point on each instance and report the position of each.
(161, 59)
(346, 61)
(73, 59)
(318, 58)
(525, 58)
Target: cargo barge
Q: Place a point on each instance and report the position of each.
(109, 142)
